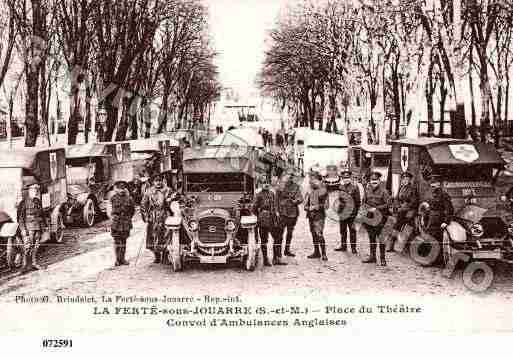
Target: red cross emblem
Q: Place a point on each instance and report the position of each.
(464, 152)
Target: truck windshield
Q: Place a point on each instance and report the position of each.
(215, 182)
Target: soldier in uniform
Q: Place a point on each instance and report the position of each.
(377, 199)
(316, 204)
(289, 198)
(32, 222)
(266, 209)
(155, 208)
(123, 209)
(349, 204)
(407, 202)
(440, 208)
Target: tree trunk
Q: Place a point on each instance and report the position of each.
(163, 112)
(43, 99)
(321, 111)
(403, 100)
(472, 101)
(146, 118)
(430, 89)
(133, 120)
(333, 111)
(74, 116)
(485, 98)
(31, 107)
(443, 98)
(112, 102)
(124, 120)
(397, 104)
(506, 99)
(87, 124)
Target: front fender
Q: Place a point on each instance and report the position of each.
(456, 232)
(9, 229)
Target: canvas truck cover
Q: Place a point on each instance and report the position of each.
(219, 160)
(447, 151)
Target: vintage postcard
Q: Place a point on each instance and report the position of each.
(190, 167)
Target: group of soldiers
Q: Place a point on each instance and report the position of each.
(276, 206)
(277, 209)
(155, 208)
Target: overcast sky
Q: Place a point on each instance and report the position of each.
(239, 30)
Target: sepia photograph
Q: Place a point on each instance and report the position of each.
(311, 167)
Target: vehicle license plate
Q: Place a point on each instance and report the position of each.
(214, 259)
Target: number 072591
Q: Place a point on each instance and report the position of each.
(57, 343)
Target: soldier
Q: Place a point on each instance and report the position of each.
(32, 221)
(155, 208)
(407, 199)
(440, 208)
(289, 198)
(122, 211)
(266, 209)
(377, 199)
(316, 204)
(349, 204)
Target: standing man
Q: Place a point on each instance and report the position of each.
(289, 198)
(440, 208)
(377, 199)
(407, 202)
(122, 211)
(316, 204)
(349, 204)
(155, 208)
(32, 222)
(266, 209)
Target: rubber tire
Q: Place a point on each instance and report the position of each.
(424, 261)
(89, 213)
(251, 258)
(175, 255)
(58, 236)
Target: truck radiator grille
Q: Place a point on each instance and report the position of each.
(211, 230)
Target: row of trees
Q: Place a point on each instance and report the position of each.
(395, 54)
(141, 60)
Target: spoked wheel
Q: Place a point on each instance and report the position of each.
(89, 213)
(251, 258)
